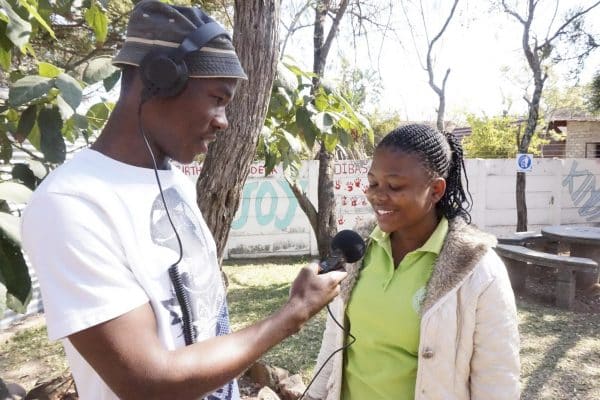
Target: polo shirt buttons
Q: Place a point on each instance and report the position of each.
(427, 353)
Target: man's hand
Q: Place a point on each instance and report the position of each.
(310, 292)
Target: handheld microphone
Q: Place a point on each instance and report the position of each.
(346, 246)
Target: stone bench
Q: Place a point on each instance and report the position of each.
(531, 239)
(517, 258)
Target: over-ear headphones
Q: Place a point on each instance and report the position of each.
(165, 73)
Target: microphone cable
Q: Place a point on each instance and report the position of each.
(344, 347)
(174, 275)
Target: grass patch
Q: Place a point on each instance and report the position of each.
(257, 289)
(28, 353)
(560, 353)
(559, 349)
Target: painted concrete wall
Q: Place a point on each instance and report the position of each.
(270, 222)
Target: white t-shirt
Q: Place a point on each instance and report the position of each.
(98, 237)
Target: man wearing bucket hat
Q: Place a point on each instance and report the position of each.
(127, 267)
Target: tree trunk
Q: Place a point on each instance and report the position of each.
(532, 121)
(441, 111)
(229, 158)
(326, 222)
(521, 204)
(323, 220)
(325, 229)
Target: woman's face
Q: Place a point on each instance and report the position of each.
(401, 192)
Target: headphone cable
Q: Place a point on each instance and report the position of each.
(332, 354)
(180, 293)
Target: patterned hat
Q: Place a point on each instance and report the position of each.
(154, 25)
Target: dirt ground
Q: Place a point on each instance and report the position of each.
(560, 350)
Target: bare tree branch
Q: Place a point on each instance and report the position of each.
(439, 91)
(292, 29)
(305, 204)
(512, 12)
(571, 19)
(445, 79)
(436, 38)
(226, 12)
(334, 28)
(412, 34)
(553, 18)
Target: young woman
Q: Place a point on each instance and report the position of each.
(430, 305)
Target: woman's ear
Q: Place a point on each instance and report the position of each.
(438, 188)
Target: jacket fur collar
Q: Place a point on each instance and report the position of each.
(463, 247)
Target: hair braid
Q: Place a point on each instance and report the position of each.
(442, 156)
(455, 199)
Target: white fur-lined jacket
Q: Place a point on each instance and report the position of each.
(469, 341)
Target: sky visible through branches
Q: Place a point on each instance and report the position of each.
(482, 46)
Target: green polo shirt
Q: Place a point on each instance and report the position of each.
(384, 317)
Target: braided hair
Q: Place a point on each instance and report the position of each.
(441, 155)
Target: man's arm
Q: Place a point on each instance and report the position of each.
(127, 353)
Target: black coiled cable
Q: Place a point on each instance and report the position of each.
(184, 303)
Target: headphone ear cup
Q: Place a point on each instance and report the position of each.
(163, 76)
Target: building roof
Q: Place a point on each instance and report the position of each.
(566, 114)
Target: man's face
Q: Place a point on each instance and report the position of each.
(181, 127)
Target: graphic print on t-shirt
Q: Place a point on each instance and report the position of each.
(198, 269)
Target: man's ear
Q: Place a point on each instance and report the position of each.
(438, 188)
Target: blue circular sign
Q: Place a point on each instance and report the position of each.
(524, 161)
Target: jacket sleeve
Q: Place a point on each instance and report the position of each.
(319, 388)
(495, 362)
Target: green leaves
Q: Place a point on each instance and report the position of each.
(28, 88)
(297, 119)
(62, 93)
(97, 20)
(5, 47)
(14, 275)
(323, 121)
(42, 108)
(495, 137)
(74, 126)
(70, 90)
(98, 114)
(34, 13)
(48, 70)
(18, 30)
(52, 143)
(98, 69)
(26, 123)
(34, 87)
(307, 128)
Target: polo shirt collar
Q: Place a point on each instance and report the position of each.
(432, 245)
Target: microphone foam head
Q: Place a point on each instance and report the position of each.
(350, 244)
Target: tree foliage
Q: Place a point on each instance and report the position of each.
(594, 99)
(496, 137)
(382, 123)
(438, 87)
(44, 108)
(299, 118)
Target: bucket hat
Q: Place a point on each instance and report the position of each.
(154, 25)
